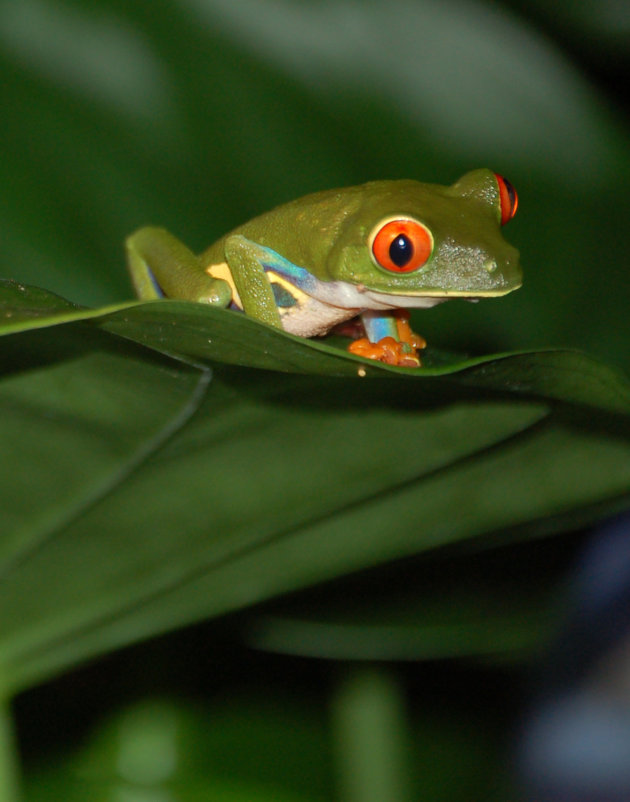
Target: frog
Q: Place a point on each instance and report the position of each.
(352, 260)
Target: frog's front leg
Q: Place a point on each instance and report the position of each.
(389, 339)
(244, 259)
(160, 266)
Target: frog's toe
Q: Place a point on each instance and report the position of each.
(405, 332)
(409, 361)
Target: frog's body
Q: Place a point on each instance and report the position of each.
(367, 250)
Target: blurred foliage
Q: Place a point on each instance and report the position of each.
(197, 114)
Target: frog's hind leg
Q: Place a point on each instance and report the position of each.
(161, 266)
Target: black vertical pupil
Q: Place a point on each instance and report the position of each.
(401, 250)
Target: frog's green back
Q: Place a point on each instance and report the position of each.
(302, 230)
(327, 233)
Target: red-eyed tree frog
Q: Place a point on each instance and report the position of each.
(371, 251)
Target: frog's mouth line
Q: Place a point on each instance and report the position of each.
(358, 296)
(432, 297)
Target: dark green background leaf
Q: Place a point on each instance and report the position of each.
(242, 504)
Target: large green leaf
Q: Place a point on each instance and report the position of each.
(280, 480)
(204, 333)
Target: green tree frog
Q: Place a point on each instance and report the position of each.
(369, 252)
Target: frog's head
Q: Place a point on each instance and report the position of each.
(412, 244)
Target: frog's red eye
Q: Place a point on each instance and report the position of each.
(508, 198)
(401, 245)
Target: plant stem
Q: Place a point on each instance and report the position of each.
(371, 736)
(8, 756)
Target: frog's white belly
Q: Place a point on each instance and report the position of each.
(314, 310)
(333, 302)
(313, 318)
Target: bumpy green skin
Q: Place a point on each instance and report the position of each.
(320, 244)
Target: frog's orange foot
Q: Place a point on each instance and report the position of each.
(387, 350)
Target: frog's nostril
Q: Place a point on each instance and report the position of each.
(490, 265)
